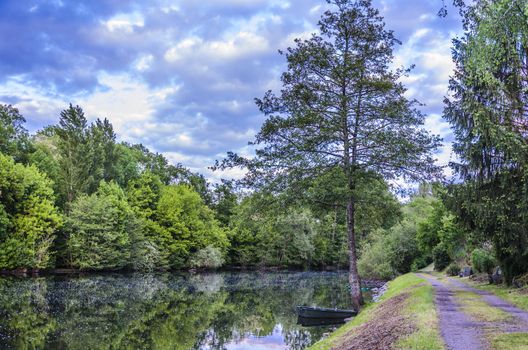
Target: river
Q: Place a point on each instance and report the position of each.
(204, 311)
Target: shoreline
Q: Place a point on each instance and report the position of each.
(34, 273)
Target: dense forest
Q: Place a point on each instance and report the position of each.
(71, 196)
(320, 190)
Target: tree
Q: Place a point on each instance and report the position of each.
(224, 201)
(75, 153)
(188, 224)
(87, 153)
(14, 139)
(98, 227)
(341, 107)
(28, 218)
(102, 143)
(149, 245)
(487, 109)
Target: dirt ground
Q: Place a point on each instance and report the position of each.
(383, 330)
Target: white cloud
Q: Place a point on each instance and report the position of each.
(128, 103)
(125, 22)
(144, 62)
(240, 45)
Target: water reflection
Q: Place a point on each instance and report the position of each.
(166, 311)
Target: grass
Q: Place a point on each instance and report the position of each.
(472, 304)
(518, 297)
(510, 341)
(421, 306)
(424, 312)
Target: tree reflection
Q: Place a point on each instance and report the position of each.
(163, 311)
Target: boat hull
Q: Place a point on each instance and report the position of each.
(322, 313)
(318, 322)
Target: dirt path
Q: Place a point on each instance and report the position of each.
(462, 329)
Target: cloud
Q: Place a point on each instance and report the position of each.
(180, 77)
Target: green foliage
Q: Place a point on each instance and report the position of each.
(28, 218)
(187, 224)
(488, 119)
(225, 201)
(209, 257)
(453, 269)
(395, 250)
(402, 246)
(293, 241)
(374, 262)
(149, 245)
(98, 227)
(441, 258)
(428, 235)
(251, 221)
(341, 108)
(75, 159)
(14, 139)
(45, 157)
(482, 261)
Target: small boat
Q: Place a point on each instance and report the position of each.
(320, 312)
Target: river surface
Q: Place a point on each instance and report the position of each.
(209, 311)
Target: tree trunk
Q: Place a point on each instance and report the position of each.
(353, 275)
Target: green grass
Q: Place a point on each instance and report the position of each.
(518, 297)
(473, 305)
(510, 341)
(424, 314)
(421, 306)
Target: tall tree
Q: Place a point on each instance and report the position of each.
(75, 153)
(102, 139)
(488, 110)
(341, 107)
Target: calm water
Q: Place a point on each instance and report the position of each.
(233, 311)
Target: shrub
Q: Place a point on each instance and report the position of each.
(374, 263)
(482, 261)
(441, 257)
(453, 269)
(209, 257)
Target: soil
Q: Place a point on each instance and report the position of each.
(458, 329)
(383, 330)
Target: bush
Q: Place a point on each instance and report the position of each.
(374, 263)
(453, 269)
(441, 257)
(208, 257)
(482, 261)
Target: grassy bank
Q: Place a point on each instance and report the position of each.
(409, 302)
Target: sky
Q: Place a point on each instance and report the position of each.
(180, 76)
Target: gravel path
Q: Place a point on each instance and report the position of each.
(458, 329)
(497, 302)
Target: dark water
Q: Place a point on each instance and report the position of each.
(166, 311)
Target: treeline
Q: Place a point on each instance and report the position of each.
(71, 196)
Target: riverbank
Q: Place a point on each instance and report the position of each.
(405, 318)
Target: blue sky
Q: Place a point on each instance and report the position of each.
(180, 76)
